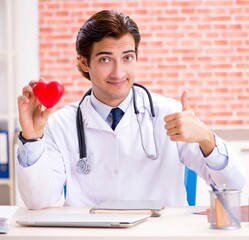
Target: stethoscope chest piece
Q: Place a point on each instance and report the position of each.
(83, 166)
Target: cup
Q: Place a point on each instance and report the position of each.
(225, 211)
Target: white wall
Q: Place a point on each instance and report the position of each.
(27, 42)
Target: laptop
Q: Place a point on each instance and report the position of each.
(82, 220)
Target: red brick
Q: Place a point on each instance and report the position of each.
(199, 45)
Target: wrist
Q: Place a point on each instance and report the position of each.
(31, 135)
(207, 144)
(25, 140)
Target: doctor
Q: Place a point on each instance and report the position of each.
(143, 157)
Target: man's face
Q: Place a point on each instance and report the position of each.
(112, 69)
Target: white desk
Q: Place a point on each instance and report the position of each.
(175, 223)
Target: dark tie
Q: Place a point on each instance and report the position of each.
(117, 114)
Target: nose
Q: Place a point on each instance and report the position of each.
(118, 70)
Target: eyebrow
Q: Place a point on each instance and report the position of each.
(110, 53)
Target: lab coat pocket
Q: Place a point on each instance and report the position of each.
(82, 181)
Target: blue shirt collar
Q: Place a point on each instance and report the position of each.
(104, 110)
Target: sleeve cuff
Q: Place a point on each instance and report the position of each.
(218, 159)
(30, 152)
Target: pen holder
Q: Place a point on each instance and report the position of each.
(225, 211)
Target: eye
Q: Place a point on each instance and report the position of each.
(129, 57)
(104, 60)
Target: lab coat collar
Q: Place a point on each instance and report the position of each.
(93, 120)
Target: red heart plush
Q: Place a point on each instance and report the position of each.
(48, 93)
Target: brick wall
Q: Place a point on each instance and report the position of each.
(202, 46)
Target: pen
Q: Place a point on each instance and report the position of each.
(225, 204)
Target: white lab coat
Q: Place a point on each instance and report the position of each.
(120, 168)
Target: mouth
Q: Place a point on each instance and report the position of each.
(117, 83)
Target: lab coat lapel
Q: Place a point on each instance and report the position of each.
(91, 118)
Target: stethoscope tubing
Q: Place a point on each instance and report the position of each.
(83, 165)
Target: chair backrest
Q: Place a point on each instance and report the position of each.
(190, 180)
(65, 191)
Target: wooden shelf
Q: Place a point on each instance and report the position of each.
(233, 134)
(3, 117)
(6, 181)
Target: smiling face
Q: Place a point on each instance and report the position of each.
(112, 68)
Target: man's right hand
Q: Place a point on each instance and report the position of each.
(32, 115)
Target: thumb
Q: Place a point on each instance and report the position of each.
(184, 101)
(47, 112)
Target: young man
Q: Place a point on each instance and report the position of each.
(142, 158)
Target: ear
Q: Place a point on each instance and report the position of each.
(82, 61)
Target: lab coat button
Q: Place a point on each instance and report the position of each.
(116, 171)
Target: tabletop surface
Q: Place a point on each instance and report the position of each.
(174, 223)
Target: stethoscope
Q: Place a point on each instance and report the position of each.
(84, 164)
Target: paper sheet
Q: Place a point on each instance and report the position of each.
(6, 214)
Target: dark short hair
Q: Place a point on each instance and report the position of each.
(104, 24)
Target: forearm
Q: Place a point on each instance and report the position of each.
(224, 166)
(38, 183)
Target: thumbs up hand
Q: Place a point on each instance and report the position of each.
(186, 127)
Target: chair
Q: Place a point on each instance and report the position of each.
(65, 191)
(190, 180)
